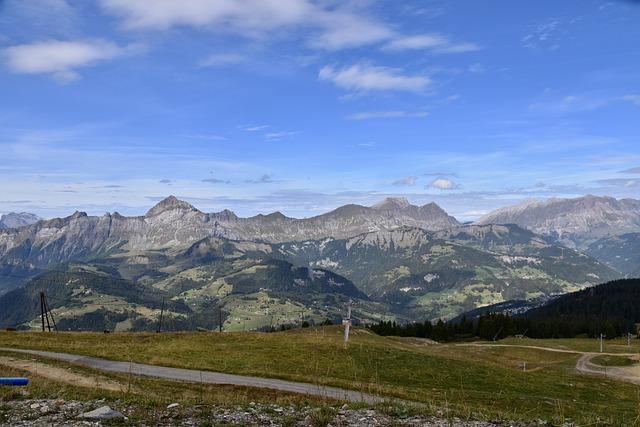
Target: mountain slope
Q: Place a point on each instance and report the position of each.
(613, 306)
(171, 224)
(211, 279)
(16, 220)
(619, 252)
(574, 222)
(441, 274)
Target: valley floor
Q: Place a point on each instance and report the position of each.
(483, 383)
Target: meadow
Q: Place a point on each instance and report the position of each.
(513, 383)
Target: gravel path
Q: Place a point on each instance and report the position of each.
(207, 377)
(584, 364)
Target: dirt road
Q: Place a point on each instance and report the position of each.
(207, 377)
(584, 364)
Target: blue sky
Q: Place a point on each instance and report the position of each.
(302, 106)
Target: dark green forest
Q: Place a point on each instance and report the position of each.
(612, 309)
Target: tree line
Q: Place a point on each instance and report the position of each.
(495, 326)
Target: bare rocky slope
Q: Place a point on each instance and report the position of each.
(575, 222)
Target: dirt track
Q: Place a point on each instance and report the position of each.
(61, 374)
(205, 376)
(584, 365)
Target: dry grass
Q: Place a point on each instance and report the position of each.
(481, 383)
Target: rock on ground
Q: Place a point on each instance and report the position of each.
(58, 413)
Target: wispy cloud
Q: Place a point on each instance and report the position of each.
(634, 99)
(437, 43)
(222, 59)
(368, 115)
(206, 137)
(276, 136)
(365, 77)
(264, 179)
(61, 59)
(406, 181)
(570, 104)
(619, 182)
(632, 170)
(253, 128)
(546, 34)
(216, 181)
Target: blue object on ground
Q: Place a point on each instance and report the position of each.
(14, 381)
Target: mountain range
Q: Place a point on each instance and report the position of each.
(393, 259)
(575, 222)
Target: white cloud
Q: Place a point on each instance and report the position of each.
(345, 30)
(367, 115)
(407, 180)
(237, 15)
(443, 184)
(60, 58)
(363, 77)
(436, 42)
(222, 59)
(334, 27)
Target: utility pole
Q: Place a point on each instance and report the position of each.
(45, 312)
(601, 342)
(46, 303)
(347, 325)
(42, 309)
(628, 339)
(219, 318)
(161, 313)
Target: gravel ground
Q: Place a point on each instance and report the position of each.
(32, 412)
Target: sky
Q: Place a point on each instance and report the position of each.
(301, 106)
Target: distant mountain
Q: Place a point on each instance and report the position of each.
(424, 274)
(212, 279)
(16, 220)
(574, 222)
(620, 252)
(173, 223)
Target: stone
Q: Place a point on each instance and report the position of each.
(102, 413)
(173, 405)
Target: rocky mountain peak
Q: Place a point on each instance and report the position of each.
(171, 203)
(78, 214)
(15, 219)
(392, 203)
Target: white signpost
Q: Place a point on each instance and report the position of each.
(347, 325)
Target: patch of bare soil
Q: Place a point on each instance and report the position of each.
(62, 375)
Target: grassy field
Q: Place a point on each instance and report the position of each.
(483, 383)
(613, 361)
(145, 397)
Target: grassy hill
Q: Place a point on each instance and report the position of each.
(485, 383)
(214, 280)
(431, 275)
